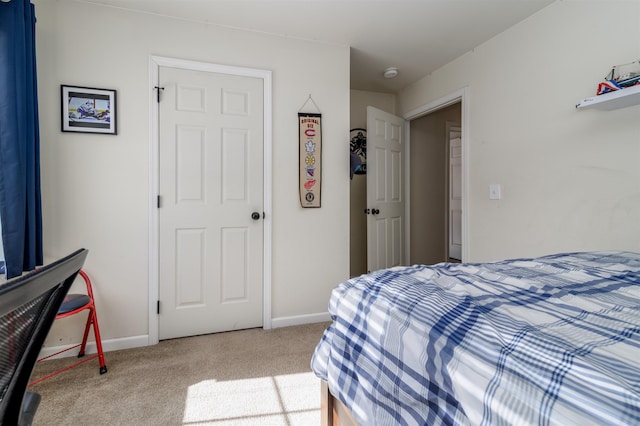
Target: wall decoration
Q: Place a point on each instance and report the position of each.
(88, 110)
(358, 144)
(310, 147)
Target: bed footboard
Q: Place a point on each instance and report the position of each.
(333, 411)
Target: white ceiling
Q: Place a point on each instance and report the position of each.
(416, 36)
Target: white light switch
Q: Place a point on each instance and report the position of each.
(495, 191)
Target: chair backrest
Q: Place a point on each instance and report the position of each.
(28, 307)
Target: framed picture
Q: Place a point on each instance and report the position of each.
(88, 110)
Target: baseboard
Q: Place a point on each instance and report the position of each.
(139, 341)
(300, 320)
(107, 346)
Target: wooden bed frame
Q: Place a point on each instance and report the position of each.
(333, 411)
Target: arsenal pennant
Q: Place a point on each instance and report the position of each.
(310, 137)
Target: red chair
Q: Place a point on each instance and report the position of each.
(74, 304)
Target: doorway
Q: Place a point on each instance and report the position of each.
(430, 186)
(415, 250)
(200, 169)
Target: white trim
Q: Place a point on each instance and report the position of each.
(155, 62)
(268, 209)
(301, 320)
(440, 103)
(461, 95)
(107, 346)
(154, 186)
(407, 192)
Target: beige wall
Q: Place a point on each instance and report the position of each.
(428, 185)
(358, 220)
(96, 188)
(570, 179)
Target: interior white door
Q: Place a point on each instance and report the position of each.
(455, 193)
(211, 184)
(385, 189)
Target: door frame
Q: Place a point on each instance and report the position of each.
(155, 62)
(462, 96)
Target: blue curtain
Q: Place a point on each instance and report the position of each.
(20, 203)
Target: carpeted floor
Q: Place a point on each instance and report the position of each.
(248, 377)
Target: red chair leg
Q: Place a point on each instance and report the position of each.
(85, 336)
(96, 334)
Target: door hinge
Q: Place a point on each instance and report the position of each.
(158, 89)
(158, 307)
(159, 201)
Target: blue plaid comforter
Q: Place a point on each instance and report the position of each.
(545, 341)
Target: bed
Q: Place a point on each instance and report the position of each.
(553, 340)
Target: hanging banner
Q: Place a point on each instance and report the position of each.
(310, 139)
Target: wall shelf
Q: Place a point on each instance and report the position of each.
(613, 100)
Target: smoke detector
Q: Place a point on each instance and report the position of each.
(390, 72)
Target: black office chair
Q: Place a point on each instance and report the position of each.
(28, 306)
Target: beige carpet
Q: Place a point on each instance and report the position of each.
(248, 377)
